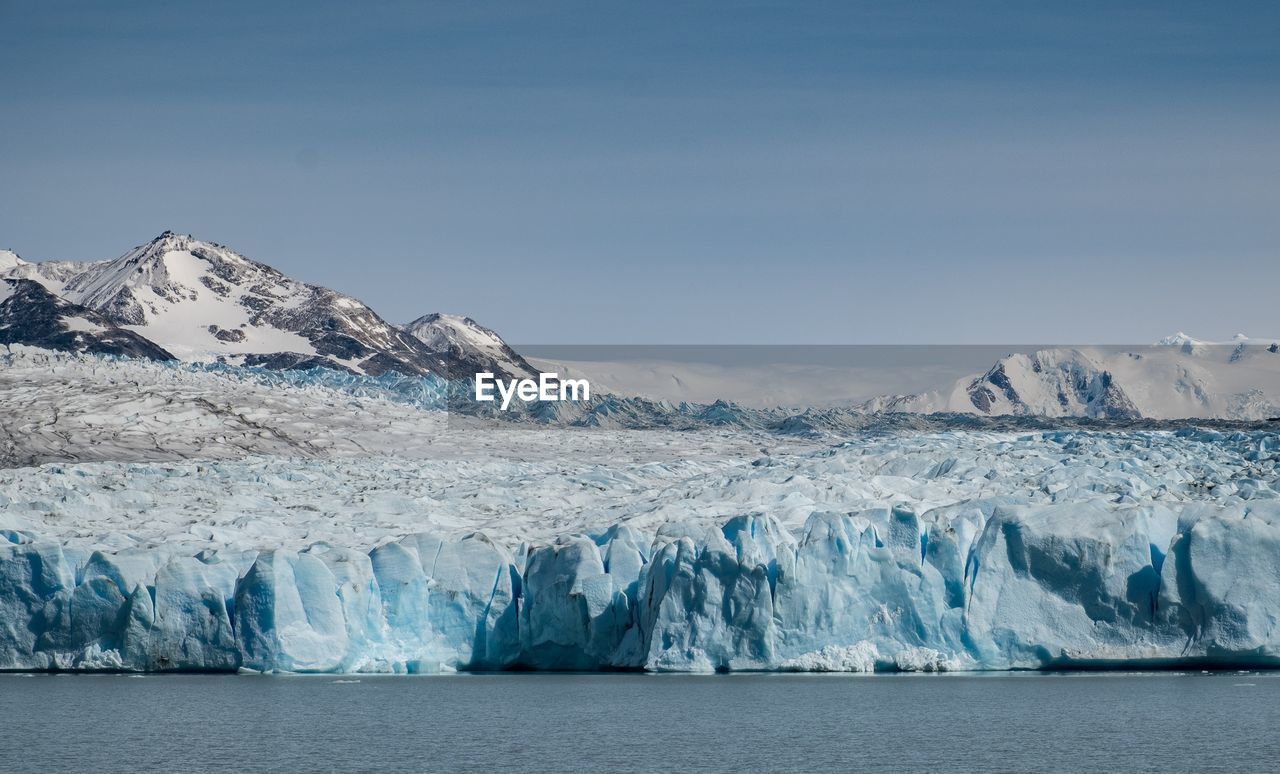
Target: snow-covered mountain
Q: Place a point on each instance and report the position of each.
(468, 345)
(203, 302)
(1178, 377)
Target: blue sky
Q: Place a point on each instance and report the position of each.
(596, 172)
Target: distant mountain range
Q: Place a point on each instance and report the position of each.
(177, 297)
(180, 297)
(1178, 377)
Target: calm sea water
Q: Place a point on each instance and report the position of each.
(625, 722)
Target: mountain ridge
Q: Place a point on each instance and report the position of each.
(469, 344)
(1178, 377)
(30, 314)
(202, 302)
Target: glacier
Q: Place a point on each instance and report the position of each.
(902, 551)
(64, 407)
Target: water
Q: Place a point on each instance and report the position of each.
(631, 722)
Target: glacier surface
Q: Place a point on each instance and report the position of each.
(662, 551)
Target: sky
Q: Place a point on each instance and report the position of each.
(692, 172)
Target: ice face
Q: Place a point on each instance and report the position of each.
(1039, 586)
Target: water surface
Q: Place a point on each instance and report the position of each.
(635, 722)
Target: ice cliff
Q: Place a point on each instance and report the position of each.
(987, 584)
